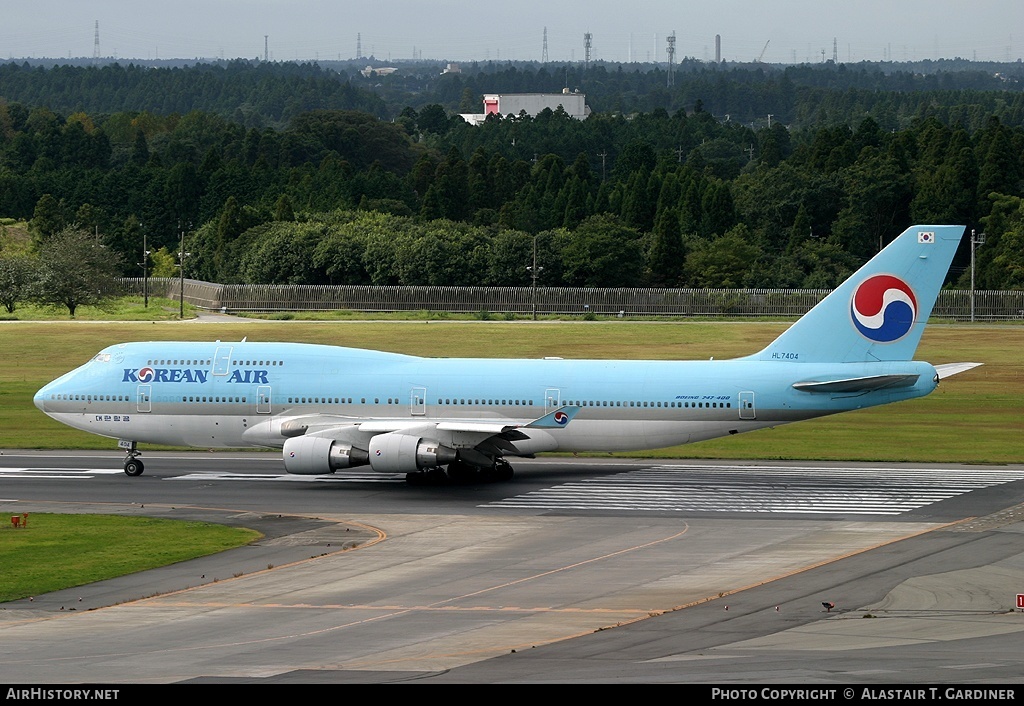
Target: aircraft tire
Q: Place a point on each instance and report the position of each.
(459, 472)
(503, 470)
(431, 476)
(133, 467)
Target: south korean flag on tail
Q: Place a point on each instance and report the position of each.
(927, 237)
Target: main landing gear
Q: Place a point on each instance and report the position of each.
(462, 473)
(132, 465)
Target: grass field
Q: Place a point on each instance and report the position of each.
(119, 309)
(54, 551)
(975, 417)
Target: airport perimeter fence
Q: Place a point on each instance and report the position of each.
(954, 304)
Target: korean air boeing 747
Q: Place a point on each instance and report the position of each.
(330, 408)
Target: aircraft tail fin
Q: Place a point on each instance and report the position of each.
(880, 312)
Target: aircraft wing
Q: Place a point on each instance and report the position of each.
(490, 436)
(553, 420)
(322, 443)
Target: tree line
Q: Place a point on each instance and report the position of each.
(660, 198)
(259, 94)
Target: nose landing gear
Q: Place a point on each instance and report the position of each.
(132, 465)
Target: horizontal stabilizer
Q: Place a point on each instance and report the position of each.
(862, 384)
(948, 370)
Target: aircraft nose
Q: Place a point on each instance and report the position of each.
(40, 400)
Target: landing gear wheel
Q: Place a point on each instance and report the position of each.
(431, 476)
(503, 470)
(460, 472)
(132, 465)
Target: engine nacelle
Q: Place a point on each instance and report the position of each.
(314, 455)
(402, 453)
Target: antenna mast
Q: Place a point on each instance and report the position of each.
(671, 57)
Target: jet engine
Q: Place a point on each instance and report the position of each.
(403, 453)
(313, 455)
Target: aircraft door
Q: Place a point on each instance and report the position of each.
(144, 398)
(552, 399)
(418, 401)
(222, 360)
(747, 410)
(263, 399)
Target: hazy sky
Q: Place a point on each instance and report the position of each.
(464, 30)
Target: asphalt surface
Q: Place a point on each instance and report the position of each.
(571, 573)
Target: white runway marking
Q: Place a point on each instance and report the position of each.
(87, 473)
(769, 489)
(343, 477)
(57, 473)
(881, 490)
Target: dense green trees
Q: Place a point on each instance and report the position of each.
(253, 94)
(1001, 259)
(683, 194)
(17, 272)
(74, 268)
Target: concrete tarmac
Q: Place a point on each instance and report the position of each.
(449, 586)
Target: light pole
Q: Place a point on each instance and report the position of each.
(976, 239)
(145, 270)
(534, 272)
(181, 275)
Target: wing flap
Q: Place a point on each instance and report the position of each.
(482, 427)
(553, 420)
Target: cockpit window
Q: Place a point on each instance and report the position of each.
(102, 358)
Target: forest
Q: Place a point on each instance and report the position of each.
(720, 176)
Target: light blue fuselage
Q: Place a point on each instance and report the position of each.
(329, 408)
(239, 394)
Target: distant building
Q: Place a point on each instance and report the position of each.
(452, 69)
(572, 102)
(382, 71)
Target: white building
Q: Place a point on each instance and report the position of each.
(503, 104)
(382, 71)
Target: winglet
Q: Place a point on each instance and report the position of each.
(554, 420)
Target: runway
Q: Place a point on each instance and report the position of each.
(579, 570)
